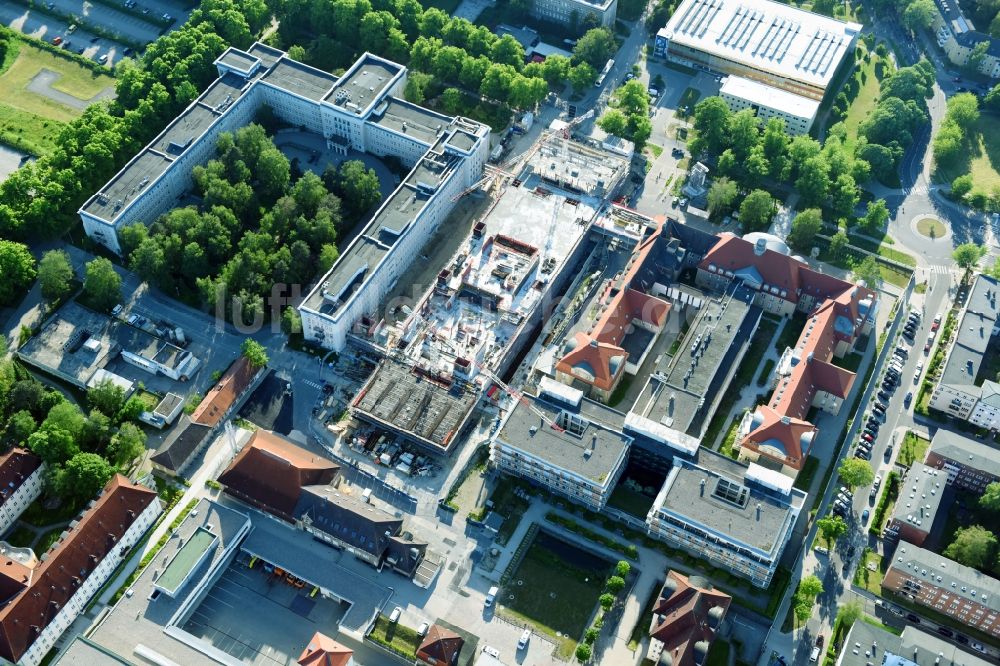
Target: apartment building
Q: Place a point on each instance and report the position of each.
(958, 38)
(970, 466)
(21, 476)
(772, 43)
(46, 598)
(867, 644)
(565, 443)
(960, 392)
(968, 596)
(768, 102)
(917, 512)
(734, 516)
(573, 13)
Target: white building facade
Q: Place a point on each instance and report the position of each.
(573, 12)
(768, 102)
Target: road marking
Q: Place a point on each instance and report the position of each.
(312, 383)
(938, 268)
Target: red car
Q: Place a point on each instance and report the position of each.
(57, 40)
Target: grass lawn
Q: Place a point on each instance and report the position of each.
(31, 120)
(654, 149)
(630, 501)
(805, 477)
(21, 537)
(931, 227)
(867, 578)
(689, 98)
(982, 161)
(913, 449)
(765, 372)
(850, 362)
(510, 506)
(47, 540)
(727, 446)
(791, 332)
(718, 654)
(396, 637)
(864, 103)
(39, 516)
(150, 400)
(555, 588)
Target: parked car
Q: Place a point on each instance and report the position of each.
(908, 398)
(977, 646)
(57, 40)
(867, 437)
(964, 640)
(936, 323)
(878, 480)
(888, 452)
(103, 59)
(525, 637)
(491, 596)
(913, 618)
(864, 516)
(492, 651)
(394, 616)
(883, 396)
(945, 631)
(423, 629)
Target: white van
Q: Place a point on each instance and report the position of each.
(814, 655)
(491, 596)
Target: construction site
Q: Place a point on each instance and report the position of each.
(469, 328)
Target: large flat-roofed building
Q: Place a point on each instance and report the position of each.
(923, 577)
(768, 102)
(916, 513)
(776, 44)
(358, 111)
(573, 12)
(957, 392)
(970, 465)
(563, 442)
(867, 644)
(736, 517)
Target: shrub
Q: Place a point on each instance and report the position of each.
(583, 652)
(591, 636)
(607, 600)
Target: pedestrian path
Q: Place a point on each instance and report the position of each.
(939, 268)
(309, 382)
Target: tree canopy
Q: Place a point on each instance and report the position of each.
(805, 226)
(973, 546)
(55, 274)
(855, 472)
(968, 255)
(255, 353)
(756, 211)
(102, 285)
(17, 267)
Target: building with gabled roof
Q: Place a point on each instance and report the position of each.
(270, 472)
(440, 647)
(55, 593)
(687, 617)
(324, 651)
(221, 398)
(21, 475)
(805, 377)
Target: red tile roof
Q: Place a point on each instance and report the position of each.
(56, 579)
(222, 396)
(440, 646)
(838, 303)
(780, 437)
(324, 651)
(15, 467)
(686, 618)
(270, 472)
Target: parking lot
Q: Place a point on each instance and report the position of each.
(54, 21)
(258, 618)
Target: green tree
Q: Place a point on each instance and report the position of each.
(805, 226)
(273, 173)
(107, 397)
(255, 353)
(65, 416)
(102, 284)
(721, 196)
(855, 472)
(622, 567)
(83, 476)
(838, 243)
(607, 600)
(130, 411)
(54, 446)
(849, 613)
(590, 636)
(581, 76)
(967, 255)
(844, 195)
(712, 118)
(583, 652)
(973, 546)
(55, 274)
(811, 586)
(774, 143)
(831, 528)
(291, 321)
(416, 86)
(868, 271)
(328, 255)
(875, 217)
(744, 133)
(451, 100)
(756, 211)
(126, 445)
(949, 142)
(17, 267)
(963, 109)
(595, 47)
(615, 584)
(990, 499)
(613, 122)
(20, 427)
(358, 187)
(919, 15)
(977, 56)
(962, 185)
(813, 182)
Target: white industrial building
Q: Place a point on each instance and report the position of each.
(768, 102)
(358, 110)
(776, 44)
